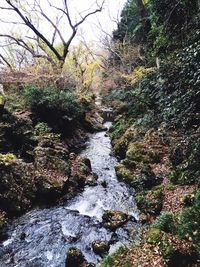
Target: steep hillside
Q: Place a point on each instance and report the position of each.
(156, 133)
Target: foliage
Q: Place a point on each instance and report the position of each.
(117, 129)
(150, 202)
(52, 99)
(189, 222)
(7, 157)
(165, 222)
(129, 21)
(137, 74)
(184, 158)
(41, 128)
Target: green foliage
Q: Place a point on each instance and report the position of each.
(52, 99)
(41, 128)
(2, 100)
(169, 23)
(165, 222)
(129, 21)
(150, 202)
(117, 129)
(184, 158)
(189, 222)
(110, 260)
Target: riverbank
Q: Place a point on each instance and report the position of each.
(99, 219)
(161, 164)
(37, 161)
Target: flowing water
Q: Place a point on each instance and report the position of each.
(41, 237)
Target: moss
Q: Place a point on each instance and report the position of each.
(41, 129)
(140, 178)
(153, 236)
(2, 100)
(150, 202)
(140, 152)
(166, 222)
(3, 221)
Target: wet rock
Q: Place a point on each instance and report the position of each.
(3, 223)
(75, 258)
(16, 185)
(143, 218)
(22, 236)
(92, 180)
(94, 122)
(100, 247)
(104, 184)
(114, 239)
(114, 219)
(81, 173)
(87, 162)
(72, 156)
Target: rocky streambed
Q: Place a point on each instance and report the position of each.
(104, 211)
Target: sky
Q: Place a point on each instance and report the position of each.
(102, 23)
(93, 29)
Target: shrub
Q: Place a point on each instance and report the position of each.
(165, 222)
(51, 99)
(189, 222)
(150, 201)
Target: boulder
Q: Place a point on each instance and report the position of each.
(114, 219)
(16, 185)
(75, 258)
(100, 247)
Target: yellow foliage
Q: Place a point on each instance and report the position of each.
(137, 74)
(7, 157)
(2, 100)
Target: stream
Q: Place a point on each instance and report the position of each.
(42, 237)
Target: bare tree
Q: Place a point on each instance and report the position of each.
(39, 44)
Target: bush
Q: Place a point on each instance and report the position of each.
(150, 202)
(165, 222)
(51, 99)
(189, 222)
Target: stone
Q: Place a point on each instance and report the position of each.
(100, 247)
(114, 219)
(75, 258)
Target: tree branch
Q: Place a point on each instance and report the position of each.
(32, 27)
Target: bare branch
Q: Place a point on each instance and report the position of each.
(32, 27)
(5, 61)
(89, 14)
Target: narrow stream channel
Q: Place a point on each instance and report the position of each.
(41, 237)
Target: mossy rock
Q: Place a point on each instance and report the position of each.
(153, 236)
(3, 223)
(8, 157)
(2, 101)
(100, 247)
(17, 186)
(139, 178)
(141, 152)
(114, 219)
(150, 202)
(75, 258)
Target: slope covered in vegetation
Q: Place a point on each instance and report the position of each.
(156, 132)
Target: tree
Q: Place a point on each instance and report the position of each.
(83, 66)
(32, 17)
